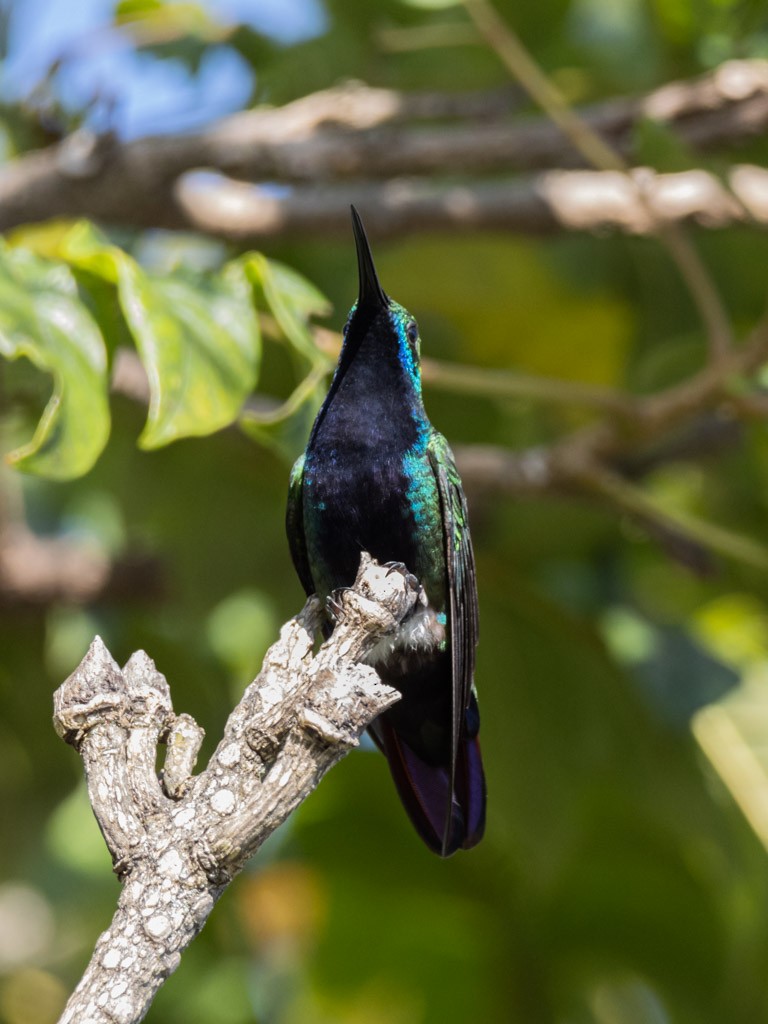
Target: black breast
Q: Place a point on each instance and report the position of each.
(355, 490)
(355, 500)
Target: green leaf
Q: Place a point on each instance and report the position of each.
(90, 249)
(199, 341)
(129, 10)
(198, 337)
(291, 298)
(43, 318)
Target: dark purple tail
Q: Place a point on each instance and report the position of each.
(423, 789)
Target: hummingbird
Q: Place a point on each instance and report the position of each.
(376, 476)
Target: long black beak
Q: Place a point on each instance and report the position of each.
(370, 295)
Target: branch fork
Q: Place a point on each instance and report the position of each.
(179, 839)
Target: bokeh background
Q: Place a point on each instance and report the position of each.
(624, 875)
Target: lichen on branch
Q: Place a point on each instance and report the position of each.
(177, 840)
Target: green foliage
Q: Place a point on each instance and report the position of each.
(197, 335)
(43, 319)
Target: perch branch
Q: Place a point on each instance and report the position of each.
(178, 841)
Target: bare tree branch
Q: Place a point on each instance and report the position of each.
(178, 842)
(357, 132)
(37, 571)
(566, 466)
(555, 201)
(603, 156)
(594, 462)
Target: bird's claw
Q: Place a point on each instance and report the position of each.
(412, 582)
(402, 568)
(334, 603)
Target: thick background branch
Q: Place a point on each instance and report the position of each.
(544, 204)
(355, 132)
(37, 571)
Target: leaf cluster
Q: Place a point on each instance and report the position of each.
(196, 334)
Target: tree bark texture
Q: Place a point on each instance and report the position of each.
(177, 841)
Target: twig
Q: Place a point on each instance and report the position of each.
(460, 379)
(701, 286)
(178, 844)
(129, 379)
(633, 438)
(562, 467)
(503, 41)
(493, 383)
(589, 462)
(269, 417)
(675, 523)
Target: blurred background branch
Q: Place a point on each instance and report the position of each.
(355, 133)
(39, 571)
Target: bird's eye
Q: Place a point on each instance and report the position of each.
(412, 332)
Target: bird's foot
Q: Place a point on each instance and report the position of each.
(334, 603)
(410, 579)
(402, 568)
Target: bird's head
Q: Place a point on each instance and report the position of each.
(377, 320)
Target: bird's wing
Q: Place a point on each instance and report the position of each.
(294, 525)
(462, 586)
